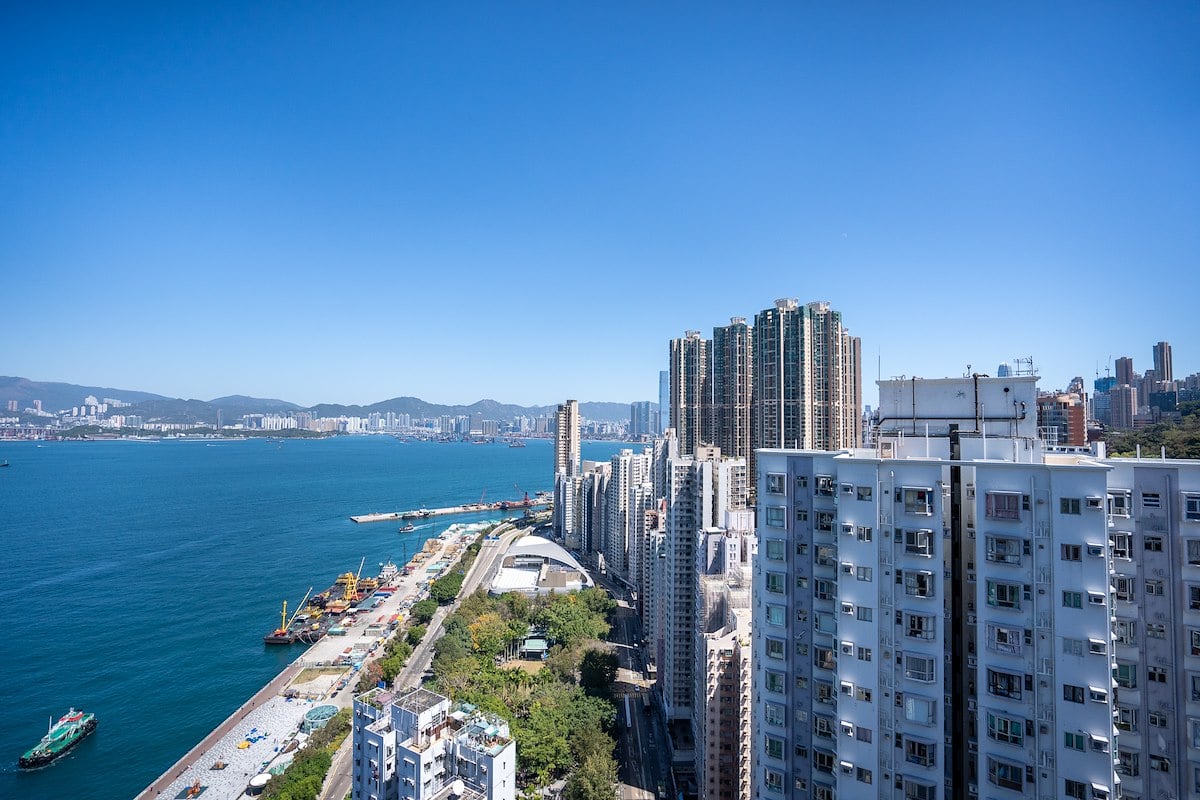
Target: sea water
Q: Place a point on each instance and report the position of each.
(139, 577)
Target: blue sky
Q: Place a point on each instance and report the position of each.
(351, 202)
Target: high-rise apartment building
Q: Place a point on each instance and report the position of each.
(807, 378)
(1062, 418)
(416, 746)
(642, 418)
(1124, 371)
(566, 439)
(1122, 406)
(1163, 369)
(629, 494)
(690, 391)
(731, 357)
(935, 617)
(664, 401)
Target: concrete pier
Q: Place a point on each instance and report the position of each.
(469, 508)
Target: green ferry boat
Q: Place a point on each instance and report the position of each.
(69, 731)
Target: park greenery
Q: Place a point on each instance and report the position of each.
(1180, 437)
(304, 777)
(561, 713)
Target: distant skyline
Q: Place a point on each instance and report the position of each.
(347, 204)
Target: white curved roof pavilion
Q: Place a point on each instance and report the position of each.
(534, 565)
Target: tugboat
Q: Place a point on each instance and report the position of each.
(62, 736)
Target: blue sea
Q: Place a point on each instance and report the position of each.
(138, 578)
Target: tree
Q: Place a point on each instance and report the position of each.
(422, 611)
(597, 672)
(446, 588)
(415, 634)
(595, 779)
(489, 634)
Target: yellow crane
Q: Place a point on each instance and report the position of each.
(284, 622)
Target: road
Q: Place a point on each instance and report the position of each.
(340, 775)
(641, 749)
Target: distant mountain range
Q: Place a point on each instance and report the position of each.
(57, 397)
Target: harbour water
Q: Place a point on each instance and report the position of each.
(139, 577)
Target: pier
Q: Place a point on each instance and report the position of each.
(469, 508)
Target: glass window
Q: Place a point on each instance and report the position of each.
(1069, 505)
(775, 549)
(776, 516)
(1003, 505)
(775, 614)
(776, 483)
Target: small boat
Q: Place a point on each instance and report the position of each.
(408, 527)
(517, 443)
(69, 731)
(5, 464)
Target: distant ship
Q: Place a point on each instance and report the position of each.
(408, 527)
(517, 443)
(62, 736)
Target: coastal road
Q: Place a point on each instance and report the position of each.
(341, 773)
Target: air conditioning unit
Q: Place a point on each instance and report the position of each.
(1095, 549)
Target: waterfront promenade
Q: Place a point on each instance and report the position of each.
(276, 718)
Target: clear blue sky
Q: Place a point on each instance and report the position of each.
(350, 202)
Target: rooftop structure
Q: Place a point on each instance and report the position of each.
(534, 565)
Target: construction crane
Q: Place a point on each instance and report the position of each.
(284, 622)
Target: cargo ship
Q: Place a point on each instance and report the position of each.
(69, 731)
(312, 622)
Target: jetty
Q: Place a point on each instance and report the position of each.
(541, 500)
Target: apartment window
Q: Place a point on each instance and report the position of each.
(1006, 775)
(823, 727)
(825, 589)
(1004, 550)
(1191, 507)
(1004, 505)
(914, 790)
(919, 668)
(1158, 719)
(920, 626)
(1194, 686)
(1160, 764)
(1072, 694)
(1194, 641)
(1125, 674)
(1005, 729)
(775, 582)
(863, 614)
(919, 709)
(775, 549)
(1156, 630)
(774, 681)
(1072, 647)
(918, 542)
(1069, 505)
(863, 492)
(1154, 588)
(801, 515)
(862, 775)
(776, 483)
(774, 648)
(774, 747)
(1074, 740)
(1071, 552)
(774, 780)
(1151, 500)
(864, 654)
(801, 582)
(825, 521)
(862, 693)
(917, 751)
(864, 533)
(822, 792)
(824, 485)
(774, 713)
(1118, 504)
(1097, 695)
(863, 573)
(1005, 684)
(826, 555)
(776, 516)
(1076, 790)
(863, 734)
(1127, 763)
(1153, 544)
(1122, 545)
(917, 583)
(1003, 595)
(1126, 719)
(1097, 647)
(823, 657)
(916, 501)
(1123, 587)
(1193, 551)
(825, 622)
(1004, 640)
(775, 614)
(1157, 674)
(801, 481)
(1072, 600)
